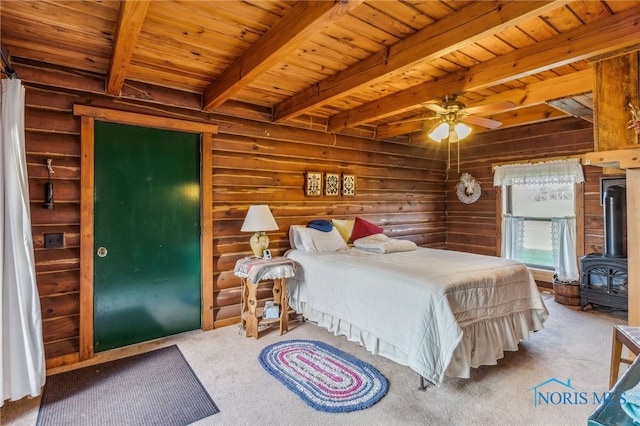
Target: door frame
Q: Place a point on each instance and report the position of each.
(88, 115)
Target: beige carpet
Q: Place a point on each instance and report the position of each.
(574, 346)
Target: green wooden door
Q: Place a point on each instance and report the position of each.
(147, 234)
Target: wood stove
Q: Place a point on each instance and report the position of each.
(604, 277)
(604, 281)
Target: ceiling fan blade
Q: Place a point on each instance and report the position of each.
(435, 108)
(496, 107)
(481, 121)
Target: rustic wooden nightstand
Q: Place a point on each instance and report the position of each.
(255, 272)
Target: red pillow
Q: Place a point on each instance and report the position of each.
(362, 228)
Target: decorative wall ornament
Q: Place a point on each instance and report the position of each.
(348, 185)
(332, 184)
(313, 187)
(468, 189)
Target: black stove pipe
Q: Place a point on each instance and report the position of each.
(614, 221)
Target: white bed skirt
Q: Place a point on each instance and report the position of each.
(483, 342)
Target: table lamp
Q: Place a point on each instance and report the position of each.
(259, 219)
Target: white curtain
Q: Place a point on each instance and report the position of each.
(21, 345)
(563, 235)
(555, 171)
(563, 230)
(512, 237)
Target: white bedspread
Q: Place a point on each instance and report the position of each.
(432, 310)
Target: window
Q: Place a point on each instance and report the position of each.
(539, 205)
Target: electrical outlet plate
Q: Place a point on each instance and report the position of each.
(54, 240)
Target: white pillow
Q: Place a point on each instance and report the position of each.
(312, 240)
(380, 243)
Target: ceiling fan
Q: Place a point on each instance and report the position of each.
(452, 116)
(453, 111)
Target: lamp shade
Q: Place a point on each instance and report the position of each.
(462, 130)
(453, 136)
(440, 132)
(453, 133)
(258, 219)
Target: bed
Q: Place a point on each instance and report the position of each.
(439, 312)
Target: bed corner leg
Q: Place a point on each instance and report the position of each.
(422, 387)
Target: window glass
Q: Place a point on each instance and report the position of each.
(537, 249)
(542, 201)
(538, 204)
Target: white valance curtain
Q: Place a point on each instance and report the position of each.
(555, 171)
(21, 346)
(563, 229)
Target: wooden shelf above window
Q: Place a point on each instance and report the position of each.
(628, 157)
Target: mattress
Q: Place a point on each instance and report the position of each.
(437, 311)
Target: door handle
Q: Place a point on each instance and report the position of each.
(102, 251)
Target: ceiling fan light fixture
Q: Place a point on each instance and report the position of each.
(440, 132)
(450, 131)
(462, 130)
(453, 135)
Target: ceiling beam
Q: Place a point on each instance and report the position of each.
(303, 20)
(386, 131)
(462, 28)
(532, 94)
(605, 35)
(540, 92)
(130, 20)
(528, 115)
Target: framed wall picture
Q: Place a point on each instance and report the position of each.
(348, 185)
(313, 185)
(332, 184)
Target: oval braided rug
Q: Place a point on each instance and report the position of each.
(324, 377)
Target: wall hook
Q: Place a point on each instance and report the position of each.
(48, 187)
(49, 166)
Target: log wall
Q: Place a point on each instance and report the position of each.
(399, 187)
(405, 189)
(474, 227)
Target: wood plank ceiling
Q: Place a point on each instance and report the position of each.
(343, 64)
